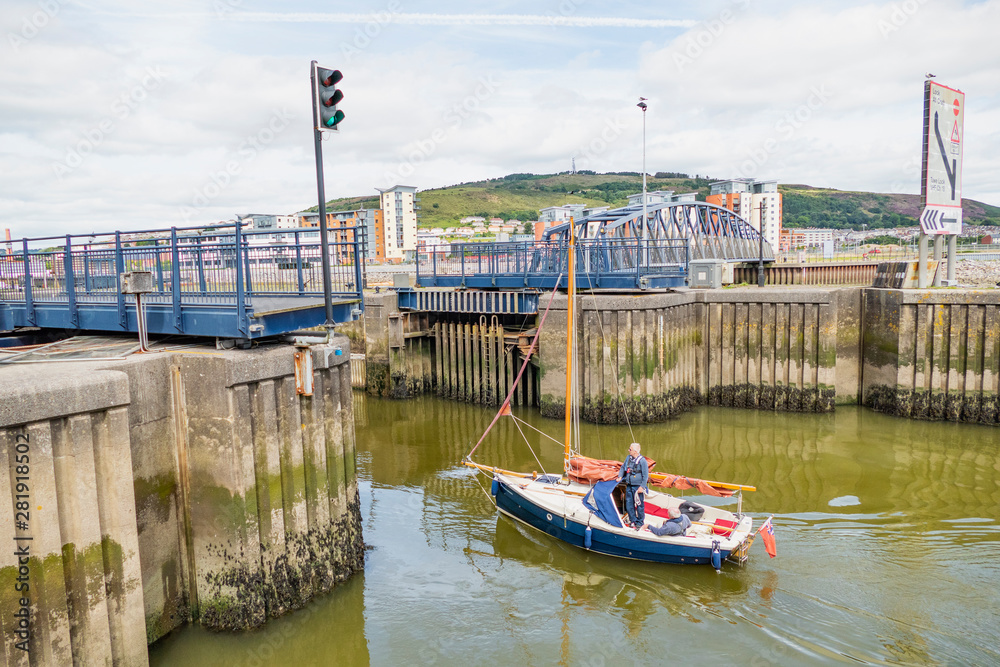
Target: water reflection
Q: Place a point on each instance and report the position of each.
(887, 533)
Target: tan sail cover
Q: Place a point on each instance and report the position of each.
(586, 470)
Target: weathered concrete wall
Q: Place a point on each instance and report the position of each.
(929, 354)
(398, 361)
(771, 349)
(378, 378)
(847, 369)
(638, 356)
(933, 354)
(172, 487)
(260, 488)
(65, 439)
(657, 355)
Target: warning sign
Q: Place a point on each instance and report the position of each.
(944, 113)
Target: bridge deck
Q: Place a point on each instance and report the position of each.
(221, 282)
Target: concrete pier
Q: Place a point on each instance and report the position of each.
(933, 354)
(929, 354)
(175, 487)
(658, 355)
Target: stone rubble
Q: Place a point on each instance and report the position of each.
(978, 273)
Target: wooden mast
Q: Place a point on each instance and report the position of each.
(570, 318)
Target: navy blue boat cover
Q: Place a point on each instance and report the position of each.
(598, 500)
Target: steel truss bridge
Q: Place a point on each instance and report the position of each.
(613, 251)
(222, 281)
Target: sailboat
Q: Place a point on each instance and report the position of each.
(584, 505)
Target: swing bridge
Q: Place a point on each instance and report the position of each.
(614, 250)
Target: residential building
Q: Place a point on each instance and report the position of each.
(341, 227)
(802, 238)
(748, 198)
(661, 197)
(399, 215)
(561, 214)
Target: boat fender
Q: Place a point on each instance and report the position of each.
(494, 487)
(716, 556)
(587, 538)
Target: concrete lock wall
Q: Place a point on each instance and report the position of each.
(176, 487)
(933, 354)
(658, 355)
(65, 437)
(923, 354)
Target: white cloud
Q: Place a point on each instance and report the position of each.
(436, 98)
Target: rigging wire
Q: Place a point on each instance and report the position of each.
(540, 432)
(530, 448)
(527, 357)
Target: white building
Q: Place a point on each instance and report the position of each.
(270, 221)
(561, 214)
(748, 198)
(661, 197)
(399, 215)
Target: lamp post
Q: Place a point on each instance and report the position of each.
(642, 105)
(760, 263)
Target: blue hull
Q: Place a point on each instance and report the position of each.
(602, 541)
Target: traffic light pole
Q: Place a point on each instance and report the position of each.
(323, 236)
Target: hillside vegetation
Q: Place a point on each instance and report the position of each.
(521, 196)
(804, 206)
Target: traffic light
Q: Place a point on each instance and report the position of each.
(328, 96)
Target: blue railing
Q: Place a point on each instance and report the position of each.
(199, 276)
(602, 263)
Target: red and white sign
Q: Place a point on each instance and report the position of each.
(944, 114)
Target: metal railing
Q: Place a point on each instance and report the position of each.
(222, 265)
(599, 262)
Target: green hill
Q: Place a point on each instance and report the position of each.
(805, 206)
(522, 195)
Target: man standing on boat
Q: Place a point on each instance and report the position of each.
(635, 473)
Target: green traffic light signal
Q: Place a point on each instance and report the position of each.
(328, 96)
(334, 120)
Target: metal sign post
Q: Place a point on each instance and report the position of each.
(941, 182)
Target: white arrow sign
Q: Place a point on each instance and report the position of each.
(941, 220)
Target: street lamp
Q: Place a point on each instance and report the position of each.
(642, 105)
(760, 263)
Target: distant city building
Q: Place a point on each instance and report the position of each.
(341, 229)
(744, 196)
(802, 238)
(561, 214)
(270, 221)
(399, 214)
(369, 223)
(661, 197)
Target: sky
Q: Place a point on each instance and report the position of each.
(126, 115)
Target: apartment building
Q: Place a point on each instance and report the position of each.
(399, 215)
(661, 197)
(745, 197)
(341, 228)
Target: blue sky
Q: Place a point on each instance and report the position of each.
(131, 115)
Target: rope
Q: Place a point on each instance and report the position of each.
(488, 494)
(543, 433)
(540, 466)
(531, 350)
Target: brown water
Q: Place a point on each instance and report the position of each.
(887, 534)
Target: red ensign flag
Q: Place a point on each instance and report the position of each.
(767, 531)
